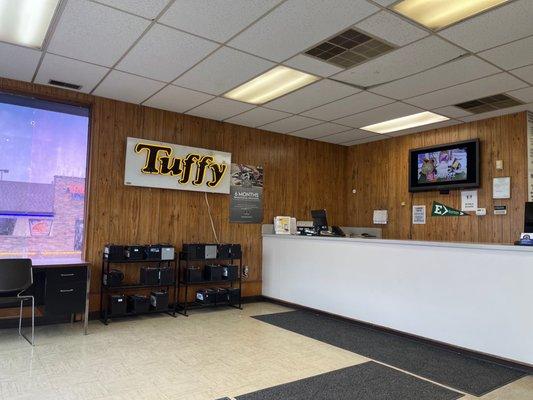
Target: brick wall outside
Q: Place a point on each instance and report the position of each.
(69, 199)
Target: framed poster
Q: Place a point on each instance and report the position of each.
(246, 191)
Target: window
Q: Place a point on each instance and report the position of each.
(43, 163)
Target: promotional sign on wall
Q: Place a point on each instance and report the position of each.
(469, 200)
(246, 204)
(171, 166)
(419, 215)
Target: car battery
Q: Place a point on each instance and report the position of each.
(138, 304)
(117, 305)
(234, 295)
(194, 251)
(167, 252)
(153, 252)
(221, 295)
(166, 276)
(205, 296)
(114, 252)
(149, 276)
(113, 278)
(193, 274)
(236, 251)
(224, 251)
(211, 251)
(159, 300)
(213, 272)
(230, 272)
(135, 252)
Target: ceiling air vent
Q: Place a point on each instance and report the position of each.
(349, 48)
(64, 84)
(491, 103)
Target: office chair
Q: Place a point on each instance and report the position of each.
(16, 276)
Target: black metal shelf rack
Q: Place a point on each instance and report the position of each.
(184, 262)
(105, 290)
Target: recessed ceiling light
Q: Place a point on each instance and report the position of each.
(270, 85)
(410, 121)
(25, 22)
(437, 14)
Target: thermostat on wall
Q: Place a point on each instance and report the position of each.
(481, 211)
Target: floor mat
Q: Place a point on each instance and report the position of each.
(455, 370)
(367, 381)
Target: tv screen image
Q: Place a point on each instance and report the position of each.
(443, 166)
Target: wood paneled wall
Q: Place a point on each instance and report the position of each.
(379, 173)
(300, 175)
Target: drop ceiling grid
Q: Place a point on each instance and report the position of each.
(379, 9)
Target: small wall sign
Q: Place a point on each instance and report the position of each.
(500, 210)
(419, 215)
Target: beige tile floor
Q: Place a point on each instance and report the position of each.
(208, 355)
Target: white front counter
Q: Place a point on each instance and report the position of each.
(475, 296)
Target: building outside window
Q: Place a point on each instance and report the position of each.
(43, 163)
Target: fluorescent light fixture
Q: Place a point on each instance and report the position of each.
(270, 85)
(25, 22)
(410, 121)
(437, 14)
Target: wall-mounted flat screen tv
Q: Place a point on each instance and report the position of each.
(444, 167)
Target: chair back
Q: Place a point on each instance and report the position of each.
(15, 274)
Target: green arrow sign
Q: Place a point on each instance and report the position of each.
(441, 210)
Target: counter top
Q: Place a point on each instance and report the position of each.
(456, 245)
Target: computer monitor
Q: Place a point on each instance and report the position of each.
(528, 217)
(320, 221)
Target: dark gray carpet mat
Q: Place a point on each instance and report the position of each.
(367, 381)
(455, 370)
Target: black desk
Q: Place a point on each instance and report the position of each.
(62, 287)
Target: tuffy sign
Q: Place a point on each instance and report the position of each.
(171, 166)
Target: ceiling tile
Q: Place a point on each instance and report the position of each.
(70, 71)
(348, 136)
(350, 105)
(147, 9)
(18, 62)
(501, 25)
(257, 117)
(223, 70)
(320, 130)
(311, 96)
(424, 128)
(312, 65)
(391, 28)
(497, 113)
(164, 53)
(525, 73)
(369, 139)
(451, 112)
(173, 98)
(380, 114)
(525, 95)
(298, 24)
(483, 87)
(449, 74)
(126, 87)
(290, 124)
(95, 33)
(512, 55)
(411, 59)
(215, 19)
(219, 109)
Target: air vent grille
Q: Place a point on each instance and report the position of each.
(64, 84)
(491, 103)
(349, 49)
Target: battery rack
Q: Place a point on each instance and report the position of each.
(107, 290)
(187, 260)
